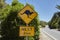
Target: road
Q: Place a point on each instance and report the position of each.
(44, 36)
(52, 33)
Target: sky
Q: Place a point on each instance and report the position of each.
(44, 8)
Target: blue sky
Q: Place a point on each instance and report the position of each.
(45, 8)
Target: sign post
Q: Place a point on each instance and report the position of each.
(27, 14)
(27, 36)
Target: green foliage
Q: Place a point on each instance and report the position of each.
(43, 23)
(2, 3)
(11, 22)
(54, 23)
(4, 12)
(31, 38)
(58, 7)
(16, 6)
(34, 23)
(9, 25)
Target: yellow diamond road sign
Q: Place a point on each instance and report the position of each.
(27, 14)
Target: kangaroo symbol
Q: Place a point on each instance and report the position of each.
(27, 12)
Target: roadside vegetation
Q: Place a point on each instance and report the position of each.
(10, 22)
(54, 23)
(43, 24)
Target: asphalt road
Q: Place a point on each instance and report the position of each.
(44, 36)
(52, 33)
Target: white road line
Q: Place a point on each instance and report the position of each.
(50, 35)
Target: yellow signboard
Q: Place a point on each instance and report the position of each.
(27, 14)
(26, 31)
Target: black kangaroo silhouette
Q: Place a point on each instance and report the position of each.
(27, 12)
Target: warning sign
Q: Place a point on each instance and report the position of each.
(27, 14)
(26, 31)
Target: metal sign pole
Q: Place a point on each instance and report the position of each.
(27, 36)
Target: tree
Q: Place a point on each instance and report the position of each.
(2, 9)
(2, 3)
(55, 20)
(11, 23)
(4, 12)
(58, 7)
(43, 23)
